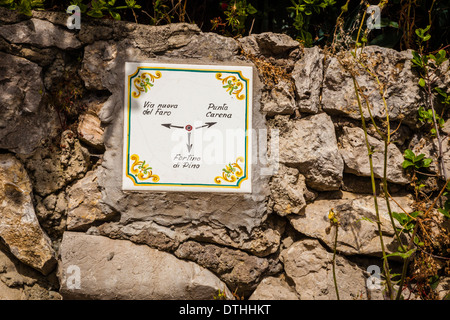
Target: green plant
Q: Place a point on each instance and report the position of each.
(427, 65)
(301, 11)
(22, 6)
(446, 209)
(426, 116)
(415, 162)
(98, 8)
(334, 222)
(236, 14)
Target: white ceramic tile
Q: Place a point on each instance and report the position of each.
(187, 127)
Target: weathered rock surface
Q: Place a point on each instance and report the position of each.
(353, 149)
(268, 43)
(279, 100)
(118, 269)
(309, 266)
(52, 213)
(239, 270)
(392, 67)
(20, 282)
(272, 288)
(358, 231)
(51, 170)
(21, 109)
(289, 193)
(90, 130)
(84, 203)
(308, 77)
(19, 227)
(262, 241)
(40, 33)
(310, 145)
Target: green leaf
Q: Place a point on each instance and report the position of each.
(409, 154)
(422, 82)
(407, 164)
(366, 219)
(115, 15)
(251, 9)
(427, 162)
(419, 157)
(404, 255)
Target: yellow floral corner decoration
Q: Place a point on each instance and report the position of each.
(232, 84)
(144, 82)
(142, 170)
(231, 172)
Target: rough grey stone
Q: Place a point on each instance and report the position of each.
(353, 149)
(19, 227)
(268, 43)
(239, 270)
(51, 170)
(308, 78)
(279, 100)
(84, 203)
(21, 108)
(311, 146)
(40, 33)
(288, 191)
(272, 288)
(210, 46)
(121, 270)
(309, 266)
(20, 282)
(358, 231)
(394, 70)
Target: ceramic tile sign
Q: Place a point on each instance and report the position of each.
(187, 127)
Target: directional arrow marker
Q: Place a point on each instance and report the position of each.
(169, 125)
(208, 124)
(189, 145)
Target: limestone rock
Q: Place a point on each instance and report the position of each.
(239, 270)
(98, 58)
(52, 212)
(279, 100)
(353, 148)
(90, 130)
(21, 108)
(268, 43)
(51, 170)
(205, 45)
(95, 267)
(19, 227)
(310, 145)
(20, 282)
(308, 77)
(358, 232)
(309, 266)
(262, 241)
(392, 67)
(84, 203)
(272, 288)
(40, 33)
(288, 191)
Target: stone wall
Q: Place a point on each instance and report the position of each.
(69, 231)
